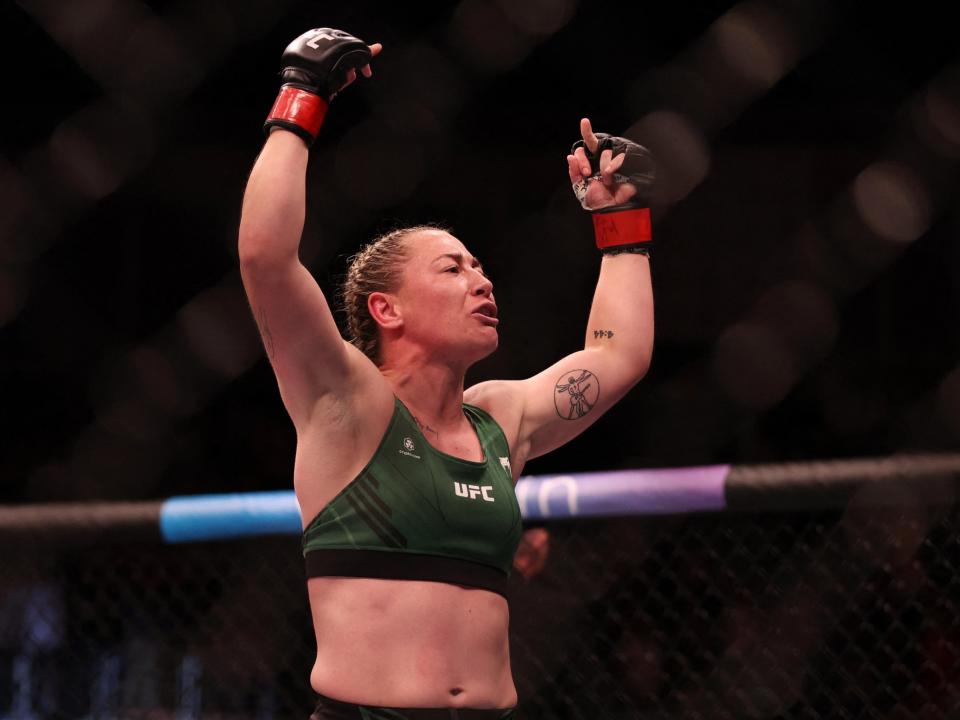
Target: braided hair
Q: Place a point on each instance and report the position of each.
(377, 267)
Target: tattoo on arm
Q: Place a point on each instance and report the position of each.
(602, 334)
(261, 318)
(575, 394)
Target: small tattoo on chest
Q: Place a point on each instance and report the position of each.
(424, 428)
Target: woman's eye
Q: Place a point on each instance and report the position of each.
(453, 269)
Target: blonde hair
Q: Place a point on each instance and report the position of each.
(377, 267)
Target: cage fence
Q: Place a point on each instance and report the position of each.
(844, 613)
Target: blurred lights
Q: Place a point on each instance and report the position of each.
(675, 86)
(754, 366)
(13, 197)
(11, 294)
(893, 202)
(847, 407)
(948, 401)
(804, 316)
(756, 361)
(419, 92)
(129, 418)
(157, 380)
(91, 154)
(538, 17)
(483, 34)
(642, 659)
(96, 150)
(81, 163)
(377, 169)
(885, 523)
(746, 51)
(755, 44)
(496, 36)
(681, 152)
(92, 31)
(821, 260)
(216, 328)
(937, 121)
(160, 71)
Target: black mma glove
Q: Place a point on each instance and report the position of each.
(315, 67)
(624, 227)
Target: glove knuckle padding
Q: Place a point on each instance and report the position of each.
(322, 57)
(638, 167)
(315, 67)
(624, 227)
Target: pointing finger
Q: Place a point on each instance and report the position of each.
(589, 139)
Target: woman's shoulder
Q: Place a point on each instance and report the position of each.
(493, 393)
(501, 400)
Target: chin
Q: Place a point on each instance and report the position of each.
(493, 346)
(485, 348)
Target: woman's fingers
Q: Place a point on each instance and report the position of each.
(573, 169)
(581, 156)
(609, 165)
(375, 49)
(606, 176)
(589, 139)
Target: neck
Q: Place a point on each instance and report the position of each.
(431, 390)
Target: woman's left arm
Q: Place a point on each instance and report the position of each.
(569, 396)
(612, 176)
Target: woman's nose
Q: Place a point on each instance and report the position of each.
(484, 287)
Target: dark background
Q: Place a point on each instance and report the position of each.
(806, 263)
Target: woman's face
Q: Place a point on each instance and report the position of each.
(445, 299)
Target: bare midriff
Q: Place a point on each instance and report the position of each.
(408, 644)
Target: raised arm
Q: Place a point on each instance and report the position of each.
(308, 355)
(569, 396)
(611, 177)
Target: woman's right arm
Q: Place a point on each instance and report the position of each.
(302, 341)
(309, 357)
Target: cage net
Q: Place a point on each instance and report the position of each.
(848, 614)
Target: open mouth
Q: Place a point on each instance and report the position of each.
(487, 314)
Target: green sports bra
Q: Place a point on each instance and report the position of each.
(415, 513)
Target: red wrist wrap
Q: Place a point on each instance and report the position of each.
(623, 227)
(304, 109)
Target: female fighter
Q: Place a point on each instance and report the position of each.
(404, 478)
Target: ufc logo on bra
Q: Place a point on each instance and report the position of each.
(471, 491)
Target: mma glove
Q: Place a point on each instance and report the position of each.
(624, 227)
(315, 67)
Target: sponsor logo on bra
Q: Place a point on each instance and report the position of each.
(505, 464)
(408, 448)
(472, 491)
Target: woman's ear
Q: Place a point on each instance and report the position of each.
(385, 310)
